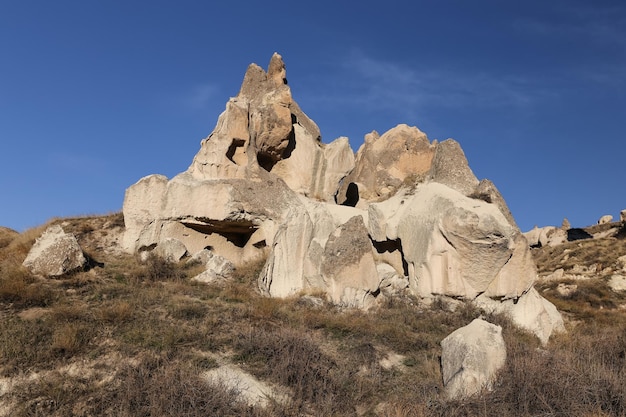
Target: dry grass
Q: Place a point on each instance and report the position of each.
(149, 332)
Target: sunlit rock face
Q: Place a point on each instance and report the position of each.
(405, 214)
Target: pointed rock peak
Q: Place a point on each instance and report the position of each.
(372, 136)
(257, 82)
(276, 70)
(253, 81)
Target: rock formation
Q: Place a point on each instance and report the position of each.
(404, 214)
(607, 218)
(55, 253)
(471, 357)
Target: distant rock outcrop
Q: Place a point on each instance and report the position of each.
(55, 253)
(404, 214)
(607, 218)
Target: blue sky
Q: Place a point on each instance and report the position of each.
(97, 94)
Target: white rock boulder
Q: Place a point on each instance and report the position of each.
(531, 312)
(471, 358)
(217, 267)
(55, 253)
(607, 218)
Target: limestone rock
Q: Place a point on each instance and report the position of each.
(622, 216)
(450, 167)
(170, 249)
(384, 162)
(487, 191)
(546, 236)
(307, 241)
(607, 218)
(617, 282)
(454, 245)
(391, 283)
(471, 357)
(55, 253)
(348, 265)
(234, 217)
(566, 290)
(531, 312)
(217, 267)
(315, 170)
(250, 389)
(241, 183)
(413, 217)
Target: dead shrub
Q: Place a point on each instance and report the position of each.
(25, 344)
(189, 311)
(157, 387)
(69, 339)
(293, 359)
(19, 287)
(158, 269)
(116, 312)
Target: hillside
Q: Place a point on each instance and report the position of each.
(282, 276)
(126, 338)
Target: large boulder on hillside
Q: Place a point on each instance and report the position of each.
(454, 245)
(471, 358)
(55, 253)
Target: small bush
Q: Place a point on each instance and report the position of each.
(293, 359)
(157, 388)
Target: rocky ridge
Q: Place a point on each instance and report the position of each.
(402, 215)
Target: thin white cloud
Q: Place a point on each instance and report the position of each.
(68, 161)
(593, 24)
(378, 84)
(200, 96)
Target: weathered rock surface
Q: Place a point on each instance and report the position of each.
(617, 282)
(55, 253)
(607, 218)
(471, 357)
(545, 236)
(443, 235)
(622, 216)
(531, 312)
(170, 249)
(322, 247)
(217, 267)
(384, 162)
(412, 216)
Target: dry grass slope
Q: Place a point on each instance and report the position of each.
(126, 338)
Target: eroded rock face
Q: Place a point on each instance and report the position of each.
(411, 215)
(55, 253)
(322, 247)
(531, 312)
(384, 162)
(471, 357)
(454, 245)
